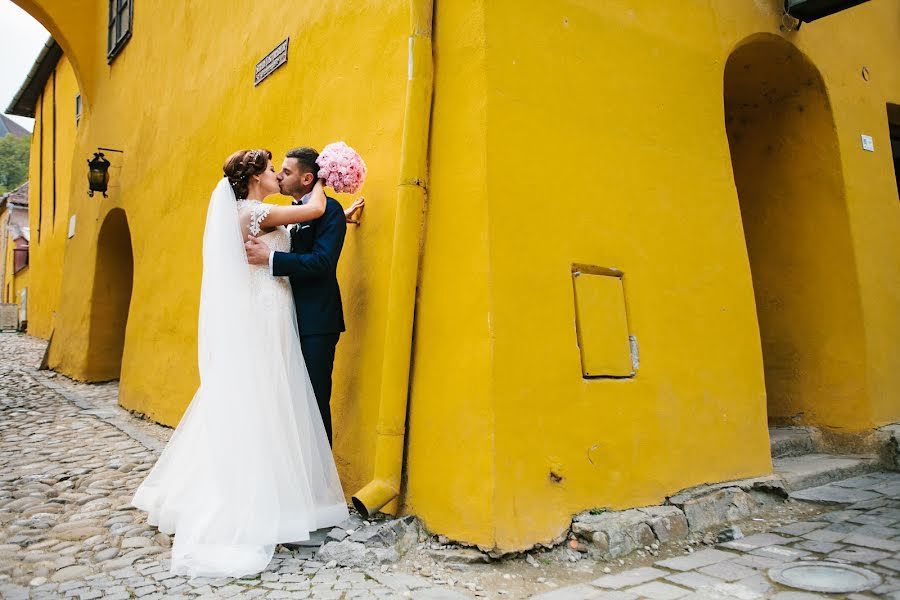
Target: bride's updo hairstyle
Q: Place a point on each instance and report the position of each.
(242, 165)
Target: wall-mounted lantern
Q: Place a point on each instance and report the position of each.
(806, 11)
(98, 172)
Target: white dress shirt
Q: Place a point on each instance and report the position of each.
(303, 200)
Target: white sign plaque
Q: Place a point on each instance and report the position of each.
(867, 143)
(272, 61)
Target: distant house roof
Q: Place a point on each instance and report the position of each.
(19, 195)
(10, 127)
(25, 100)
(17, 202)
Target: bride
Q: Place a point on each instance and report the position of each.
(249, 464)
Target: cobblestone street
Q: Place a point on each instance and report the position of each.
(70, 460)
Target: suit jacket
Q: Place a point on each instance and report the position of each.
(311, 266)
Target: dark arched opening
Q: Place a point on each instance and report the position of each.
(787, 169)
(110, 298)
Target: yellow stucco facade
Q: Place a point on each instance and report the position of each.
(705, 162)
(14, 282)
(50, 179)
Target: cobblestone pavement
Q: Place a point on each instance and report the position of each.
(864, 534)
(70, 460)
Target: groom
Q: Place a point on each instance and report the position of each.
(311, 266)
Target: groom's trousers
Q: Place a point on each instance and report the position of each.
(318, 352)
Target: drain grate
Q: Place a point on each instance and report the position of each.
(823, 576)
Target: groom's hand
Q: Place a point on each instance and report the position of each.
(257, 251)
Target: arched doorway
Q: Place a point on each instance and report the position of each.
(111, 298)
(786, 162)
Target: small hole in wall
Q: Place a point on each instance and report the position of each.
(555, 478)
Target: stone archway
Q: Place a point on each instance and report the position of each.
(787, 170)
(110, 298)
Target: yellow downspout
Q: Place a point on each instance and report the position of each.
(385, 486)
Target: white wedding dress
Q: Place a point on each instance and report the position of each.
(249, 464)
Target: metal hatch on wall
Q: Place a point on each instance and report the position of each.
(601, 323)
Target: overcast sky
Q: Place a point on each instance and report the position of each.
(20, 44)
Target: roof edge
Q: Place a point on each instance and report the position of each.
(25, 100)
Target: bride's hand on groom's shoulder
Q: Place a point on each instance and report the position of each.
(257, 251)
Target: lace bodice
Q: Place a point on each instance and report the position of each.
(269, 292)
(251, 213)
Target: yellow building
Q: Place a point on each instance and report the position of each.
(50, 95)
(602, 240)
(14, 272)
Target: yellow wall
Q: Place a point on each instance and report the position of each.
(9, 292)
(617, 156)
(6, 252)
(177, 116)
(14, 283)
(20, 282)
(451, 413)
(562, 133)
(48, 232)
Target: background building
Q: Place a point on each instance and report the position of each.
(601, 240)
(14, 248)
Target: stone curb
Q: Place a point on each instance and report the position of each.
(104, 414)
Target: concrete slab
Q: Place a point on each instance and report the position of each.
(578, 592)
(813, 470)
(872, 542)
(761, 563)
(863, 481)
(859, 555)
(800, 528)
(726, 591)
(696, 560)
(758, 583)
(825, 535)
(628, 578)
(839, 516)
(818, 547)
(728, 571)
(877, 531)
(791, 441)
(878, 520)
(693, 580)
(656, 590)
(890, 563)
(751, 542)
(833, 494)
(780, 553)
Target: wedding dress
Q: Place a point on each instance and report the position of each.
(249, 465)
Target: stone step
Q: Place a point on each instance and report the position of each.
(791, 441)
(813, 470)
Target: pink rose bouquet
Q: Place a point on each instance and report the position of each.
(341, 167)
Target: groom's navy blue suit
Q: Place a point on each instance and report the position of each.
(311, 266)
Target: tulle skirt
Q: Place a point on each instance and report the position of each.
(249, 465)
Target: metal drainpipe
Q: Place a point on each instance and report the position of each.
(391, 429)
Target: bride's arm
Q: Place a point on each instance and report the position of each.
(301, 213)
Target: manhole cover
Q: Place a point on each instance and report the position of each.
(821, 576)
